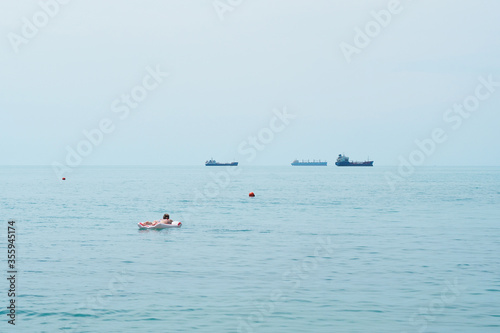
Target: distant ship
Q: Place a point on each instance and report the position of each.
(308, 163)
(343, 160)
(213, 162)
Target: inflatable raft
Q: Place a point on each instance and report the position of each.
(175, 224)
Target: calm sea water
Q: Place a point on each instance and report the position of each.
(319, 249)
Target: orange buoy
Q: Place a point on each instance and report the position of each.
(251, 194)
(64, 178)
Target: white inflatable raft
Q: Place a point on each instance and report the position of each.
(175, 224)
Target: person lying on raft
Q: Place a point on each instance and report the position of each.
(165, 220)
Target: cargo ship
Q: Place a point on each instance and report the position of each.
(213, 162)
(343, 160)
(308, 163)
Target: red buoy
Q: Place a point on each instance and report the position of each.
(251, 194)
(64, 178)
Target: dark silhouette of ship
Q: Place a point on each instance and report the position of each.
(343, 160)
(213, 162)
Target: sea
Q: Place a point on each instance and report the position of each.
(318, 249)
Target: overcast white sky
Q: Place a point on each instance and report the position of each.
(226, 77)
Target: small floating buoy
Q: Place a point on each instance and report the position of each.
(64, 178)
(251, 194)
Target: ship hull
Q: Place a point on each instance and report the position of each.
(367, 163)
(222, 164)
(310, 164)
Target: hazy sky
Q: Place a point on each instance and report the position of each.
(230, 63)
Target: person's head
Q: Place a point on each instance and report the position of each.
(166, 216)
